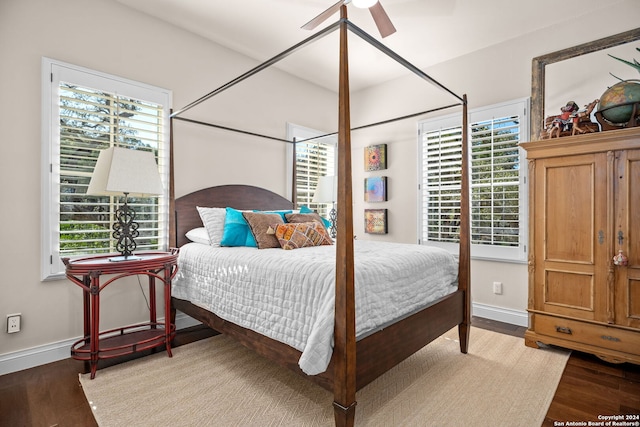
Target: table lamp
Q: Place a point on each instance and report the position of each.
(326, 192)
(134, 173)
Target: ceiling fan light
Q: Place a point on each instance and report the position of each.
(364, 4)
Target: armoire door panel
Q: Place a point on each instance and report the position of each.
(633, 208)
(634, 299)
(627, 213)
(628, 302)
(569, 290)
(569, 214)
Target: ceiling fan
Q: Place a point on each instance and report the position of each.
(380, 17)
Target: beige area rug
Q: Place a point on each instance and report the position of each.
(217, 382)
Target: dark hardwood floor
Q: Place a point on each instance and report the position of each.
(591, 388)
(50, 395)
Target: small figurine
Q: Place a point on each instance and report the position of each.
(564, 122)
(584, 116)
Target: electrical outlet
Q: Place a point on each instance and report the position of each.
(497, 288)
(13, 323)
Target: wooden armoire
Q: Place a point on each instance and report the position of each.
(584, 208)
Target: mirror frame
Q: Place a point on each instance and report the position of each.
(539, 63)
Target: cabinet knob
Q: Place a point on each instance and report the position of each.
(620, 259)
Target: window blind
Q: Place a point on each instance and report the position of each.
(314, 159)
(442, 163)
(497, 190)
(90, 121)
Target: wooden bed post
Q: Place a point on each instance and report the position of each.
(173, 239)
(173, 242)
(344, 386)
(294, 176)
(464, 259)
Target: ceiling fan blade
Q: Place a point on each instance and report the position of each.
(382, 20)
(323, 16)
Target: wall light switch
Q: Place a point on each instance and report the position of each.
(497, 288)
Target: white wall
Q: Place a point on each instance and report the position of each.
(108, 37)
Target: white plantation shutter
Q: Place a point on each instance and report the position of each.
(498, 191)
(314, 158)
(495, 192)
(88, 113)
(441, 163)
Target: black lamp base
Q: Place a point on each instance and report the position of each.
(333, 217)
(125, 230)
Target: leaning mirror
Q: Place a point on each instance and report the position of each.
(579, 74)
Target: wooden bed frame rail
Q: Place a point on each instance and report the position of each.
(401, 339)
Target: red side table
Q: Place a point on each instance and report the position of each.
(86, 273)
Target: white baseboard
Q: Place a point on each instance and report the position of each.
(25, 359)
(500, 314)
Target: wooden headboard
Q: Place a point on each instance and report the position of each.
(234, 196)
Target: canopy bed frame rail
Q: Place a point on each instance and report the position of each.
(375, 354)
(353, 364)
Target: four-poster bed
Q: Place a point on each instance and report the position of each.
(354, 363)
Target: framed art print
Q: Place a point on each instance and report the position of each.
(375, 189)
(375, 157)
(375, 221)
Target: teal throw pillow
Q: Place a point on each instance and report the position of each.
(236, 230)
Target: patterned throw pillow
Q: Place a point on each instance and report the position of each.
(301, 235)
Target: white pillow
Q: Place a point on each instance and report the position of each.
(198, 235)
(213, 220)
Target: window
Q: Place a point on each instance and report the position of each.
(498, 190)
(84, 112)
(314, 158)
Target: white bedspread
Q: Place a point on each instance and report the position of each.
(289, 295)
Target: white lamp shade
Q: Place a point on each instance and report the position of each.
(364, 4)
(326, 190)
(121, 170)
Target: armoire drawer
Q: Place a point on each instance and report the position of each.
(588, 333)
